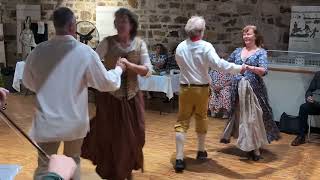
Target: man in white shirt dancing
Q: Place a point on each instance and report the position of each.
(60, 71)
(194, 57)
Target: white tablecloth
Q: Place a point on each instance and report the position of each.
(18, 73)
(168, 84)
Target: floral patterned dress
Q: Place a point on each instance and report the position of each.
(220, 100)
(258, 59)
(158, 62)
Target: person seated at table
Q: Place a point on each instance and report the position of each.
(311, 107)
(171, 61)
(159, 58)
(220, 97)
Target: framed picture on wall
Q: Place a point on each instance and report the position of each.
(305, 29)
(2, 51)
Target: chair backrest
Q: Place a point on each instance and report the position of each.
(314, 120)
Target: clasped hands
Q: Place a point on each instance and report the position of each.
(247, 67)
(123, 63)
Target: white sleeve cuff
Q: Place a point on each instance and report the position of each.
(118, 70)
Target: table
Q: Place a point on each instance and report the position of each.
(168, 84)
(18, 74)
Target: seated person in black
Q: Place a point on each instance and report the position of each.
(311, 107)
(171, 61)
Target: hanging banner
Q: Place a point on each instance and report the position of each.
(305, 29)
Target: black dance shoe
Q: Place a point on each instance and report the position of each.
(202, 155)
(225, 141)
(179, 166)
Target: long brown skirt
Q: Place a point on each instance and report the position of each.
(117, 136)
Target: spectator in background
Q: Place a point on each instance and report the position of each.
(311, 107)
(159, 58)
(171, 61)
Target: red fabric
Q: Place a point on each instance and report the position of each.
(194, 39)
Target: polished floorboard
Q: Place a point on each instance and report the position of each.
(281, 161)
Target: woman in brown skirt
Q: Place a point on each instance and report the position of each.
(117, 136)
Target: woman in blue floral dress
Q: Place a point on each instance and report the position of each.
(254, 55)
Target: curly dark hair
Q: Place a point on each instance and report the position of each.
(163, 50)
(132, 19)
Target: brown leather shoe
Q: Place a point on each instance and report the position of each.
(225, 141)
(298, 141)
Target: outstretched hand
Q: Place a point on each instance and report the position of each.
(3, 96)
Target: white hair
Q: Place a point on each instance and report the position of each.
(194, 25)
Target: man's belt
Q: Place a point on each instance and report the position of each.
(194, 85)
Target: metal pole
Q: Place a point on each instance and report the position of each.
(25, 135)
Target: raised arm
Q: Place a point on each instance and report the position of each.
(99, 78)
(215, 62)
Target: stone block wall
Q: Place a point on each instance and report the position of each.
(162, 21)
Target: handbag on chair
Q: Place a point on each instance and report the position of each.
(289, 124)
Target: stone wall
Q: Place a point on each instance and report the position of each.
(162, 21)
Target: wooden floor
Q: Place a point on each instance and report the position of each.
(281, 161)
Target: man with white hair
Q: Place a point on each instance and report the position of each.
(194, 57)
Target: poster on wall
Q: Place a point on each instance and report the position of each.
(23, 10)
(2, 52)
(305, 29)
(104, 20)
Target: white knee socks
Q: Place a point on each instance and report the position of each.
(180, 138)
(201, 142)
